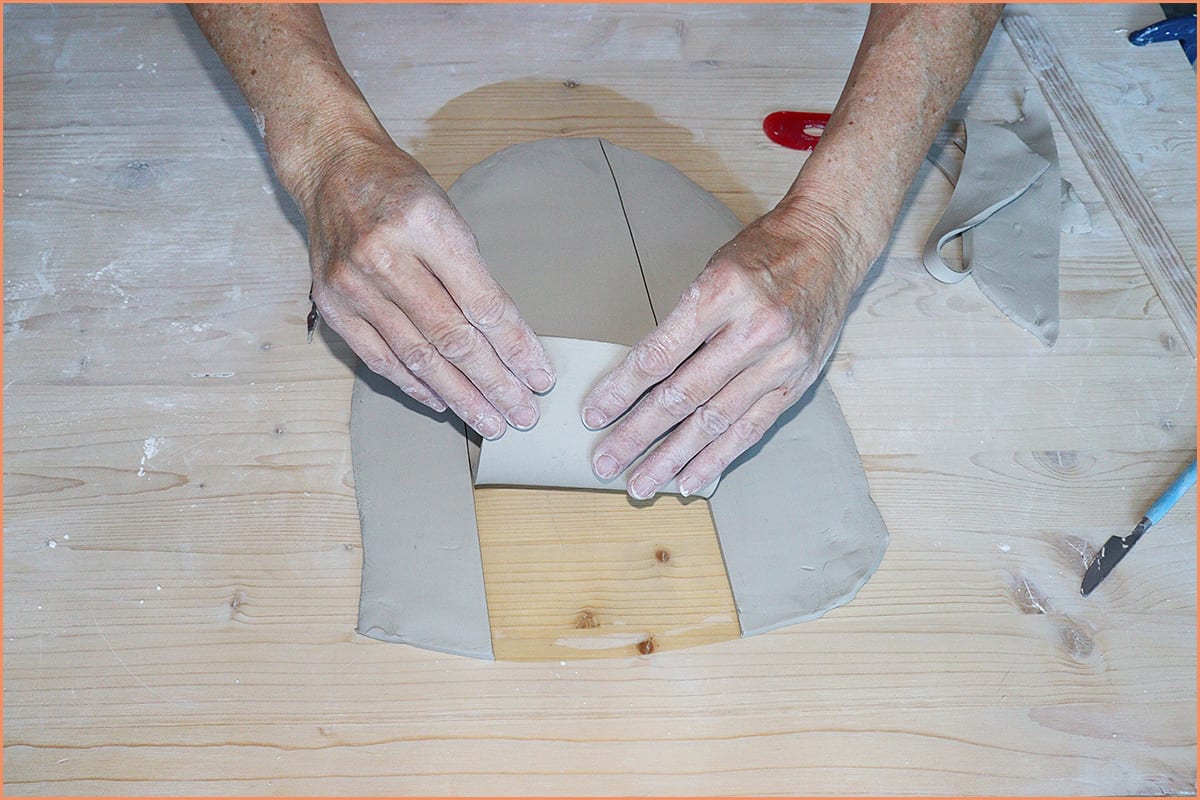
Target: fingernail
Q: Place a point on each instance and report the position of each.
(490, 428)
(436, 405)
(523, 417)
(593, 418)
(606, 466)
(687, 486)
(540, 380)
(641, 488)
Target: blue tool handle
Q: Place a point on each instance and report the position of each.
(1181, 29)
(1171, 496)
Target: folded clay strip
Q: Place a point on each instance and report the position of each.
(1007, 205)
(997, 169)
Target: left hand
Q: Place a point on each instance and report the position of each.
(747, 339)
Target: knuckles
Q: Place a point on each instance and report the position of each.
(456, 342)
(373, 253)
(747, 431)
(420, 358)
(651, 361)
(770, 325)
(488, 310)
(676, 401)
(383, 364)
(712, 421)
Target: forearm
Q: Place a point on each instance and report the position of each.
(305, 103)
(912, 64)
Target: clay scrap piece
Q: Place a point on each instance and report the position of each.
(557, 451)
(1010, 235)
(593, 242)
(997, 169)
(1014, 254)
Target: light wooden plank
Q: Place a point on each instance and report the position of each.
(576, 574)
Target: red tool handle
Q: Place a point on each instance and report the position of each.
(790, 128)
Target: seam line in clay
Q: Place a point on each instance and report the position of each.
(632, 240)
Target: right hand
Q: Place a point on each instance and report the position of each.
(397, 273)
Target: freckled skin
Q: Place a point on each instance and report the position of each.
(397, 274)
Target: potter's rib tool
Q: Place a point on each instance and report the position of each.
(1117, 546)
(1172, 278)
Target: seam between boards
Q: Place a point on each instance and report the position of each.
(632, 241)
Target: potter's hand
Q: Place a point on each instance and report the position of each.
(398, 274)
(747, 339)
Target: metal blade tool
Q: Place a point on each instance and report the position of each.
(1118, 546)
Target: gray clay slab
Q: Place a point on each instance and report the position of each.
(799, 532)
(797, 528)
(422, 574)
(550, 228)
(676, 224)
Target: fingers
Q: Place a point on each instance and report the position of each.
(423, 360)
(456, 263)
(709, 422)
(441, 323)
(651, 360)
(379, 358)
(697, 380)
(740, 437)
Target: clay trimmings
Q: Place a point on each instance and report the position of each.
(1007, 204)
(595, 242)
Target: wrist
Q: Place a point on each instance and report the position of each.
(851, 235)
(308, 141)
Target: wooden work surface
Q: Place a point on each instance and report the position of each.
(181, 543)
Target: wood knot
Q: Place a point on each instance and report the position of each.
(1075, 640)
(136, 176)
(235, 603)
(1064, 462)
(647, 646)
(1030, 599)
(586, 620)
(662, 555)
(1077, 553)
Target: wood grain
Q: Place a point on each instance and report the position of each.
(166, 426)
(578, 574)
